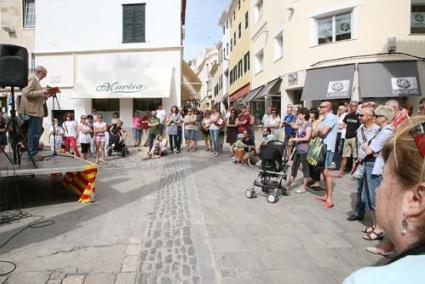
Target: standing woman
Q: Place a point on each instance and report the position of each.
(274, 123)
(232, 128)
(145, 129)
(205, 128)
(137, 129)
(173, 120)
(84, 132)
(190, 130)
(314, 170)
(70, 126)
(216, 123)
(99, 129)
(55, 136)
(301, 148)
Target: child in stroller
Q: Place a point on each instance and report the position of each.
(272, 176)
(117, 137)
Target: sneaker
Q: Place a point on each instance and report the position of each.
(216, 154)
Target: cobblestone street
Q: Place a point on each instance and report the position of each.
(182, 219)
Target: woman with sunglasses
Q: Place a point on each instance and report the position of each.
(70, 127)
(400, 207)
(84, 132)
(99, 129)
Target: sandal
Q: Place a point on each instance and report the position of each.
(328, 205)
(379, 251)
(373, 236)
(320, 198)
(300, 191)
(368, 230)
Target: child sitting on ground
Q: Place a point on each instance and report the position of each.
(238, 148)
(159, 148)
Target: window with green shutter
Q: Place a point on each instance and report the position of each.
(134, 23)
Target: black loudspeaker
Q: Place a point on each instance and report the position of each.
(13, 66)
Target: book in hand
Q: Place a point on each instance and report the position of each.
(53, 90)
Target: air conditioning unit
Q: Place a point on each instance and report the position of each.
(392, 44)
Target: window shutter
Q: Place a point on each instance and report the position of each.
(139, 23)
(127, 23)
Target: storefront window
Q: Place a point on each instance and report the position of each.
(146, 105)
(417, 19)
(258, 109)
(106, 107)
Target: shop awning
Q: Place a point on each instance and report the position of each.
(123, 75)
(389, 79)
(252, 95)
(270, 87)
(242, 92)
(328, 83)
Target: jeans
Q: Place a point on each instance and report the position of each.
(174, 143)
(360, 204)
(371, 183)
(179, 137)
(339, 146)
(34, 133)
(151, 139)
(215, 137)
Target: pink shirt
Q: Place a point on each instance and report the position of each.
(137, 122)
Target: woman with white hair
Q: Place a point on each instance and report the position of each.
(383, 117)
(401, 208)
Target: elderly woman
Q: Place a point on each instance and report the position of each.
(383, 117)
(401, 208)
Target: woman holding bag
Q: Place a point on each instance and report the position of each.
(173, 121)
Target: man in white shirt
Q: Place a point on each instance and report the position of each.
(162, 115)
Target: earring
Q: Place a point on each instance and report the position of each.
(404, 224)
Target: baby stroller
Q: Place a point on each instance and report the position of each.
(116, 145)
(272, 176)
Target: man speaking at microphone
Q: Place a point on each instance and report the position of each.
(32, 104)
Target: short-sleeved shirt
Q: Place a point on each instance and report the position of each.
(369, 134)
(302, 147)
(248, 142)
(154, 130)
(409, 269)
(190, 119)
(331, 121)
(289, 118)
(244, 117)
(70, 128)
(353, 123)
(342, 131)
(137, 122)
(377, 144)
(161, 114)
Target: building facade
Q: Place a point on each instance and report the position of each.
(17, 22)
(238, 16)
(128, 59)
(338, 50)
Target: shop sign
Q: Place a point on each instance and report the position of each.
(118, 87)
(293, 78)
(338, 89)
(418, 20)
(404, 86)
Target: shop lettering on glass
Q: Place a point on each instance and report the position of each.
(117, 87)
(406, 86)
(338, 89)
(418, 19)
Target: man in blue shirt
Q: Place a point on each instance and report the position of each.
(287, 122)
(327, 129)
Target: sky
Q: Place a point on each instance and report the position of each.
(202, 28)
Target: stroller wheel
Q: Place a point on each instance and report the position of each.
(249, 193)
(272, 198)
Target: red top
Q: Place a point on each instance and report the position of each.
(246, 118)
(145, 122)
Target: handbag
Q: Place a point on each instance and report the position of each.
(316, 154)
(358, 170)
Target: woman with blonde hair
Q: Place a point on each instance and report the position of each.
(400, 209)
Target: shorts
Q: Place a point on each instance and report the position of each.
(137, 133)
(350, 148)
(100, 138)
(329, 159)
(206, 135)
(190, 134)
(85, 147)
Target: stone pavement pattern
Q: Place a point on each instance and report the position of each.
(183, 219)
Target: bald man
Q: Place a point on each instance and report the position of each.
(327, 129)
